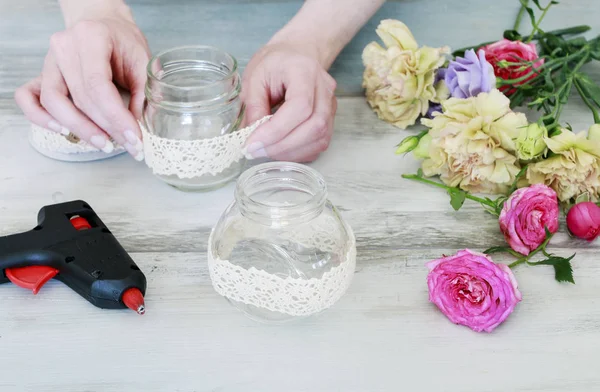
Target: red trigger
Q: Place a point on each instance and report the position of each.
(32, 278)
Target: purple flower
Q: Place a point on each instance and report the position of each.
(435, 106)
(467, 77)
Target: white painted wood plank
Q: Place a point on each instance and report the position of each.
(382, 336)
(383, 333)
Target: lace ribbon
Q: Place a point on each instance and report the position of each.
(46, 140)
(292, 296)
(194, 158)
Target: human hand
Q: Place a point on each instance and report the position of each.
(77, 90)
(290, 74)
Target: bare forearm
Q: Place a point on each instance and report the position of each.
(329, 24)
(76, 10)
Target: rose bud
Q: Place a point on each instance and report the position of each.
(583, 220)
(407, 145)
(530, 142)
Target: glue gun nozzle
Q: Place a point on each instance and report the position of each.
(134, 300)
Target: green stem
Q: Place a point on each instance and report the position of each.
(580, 29)
(525, 259)
(536, 25)
(520, 15)
(519, 261)
(467, 195)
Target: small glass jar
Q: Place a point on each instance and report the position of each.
(193, 93)
(281, 251)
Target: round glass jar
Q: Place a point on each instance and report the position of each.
(281, 250)
(193, 94)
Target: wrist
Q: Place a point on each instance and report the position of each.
(327, 26)
(77, 10)
(318, 48)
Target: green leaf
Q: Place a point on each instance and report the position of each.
(496, 249)
(520, 174)
(457, 198)
(501, 249)
(563, 271)
(420, 173)
(512, 35)
(591, 89)
(529, 11)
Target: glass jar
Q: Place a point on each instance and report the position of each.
(193, 93)
(281, 251)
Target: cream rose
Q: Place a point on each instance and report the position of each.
(575, 167)
(400, 79)
(472, 143)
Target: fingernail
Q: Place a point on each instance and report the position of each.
(134, 140)
(255, 150)
(102, 143)
(130, 149)
(64, 131)
(134, 152)
(139, 157)
(54, 126)
(260, 153)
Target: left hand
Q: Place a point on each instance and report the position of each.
(289, 74)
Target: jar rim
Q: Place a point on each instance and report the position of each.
(315, 179)
(232, 72)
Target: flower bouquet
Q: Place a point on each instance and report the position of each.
(483, 149)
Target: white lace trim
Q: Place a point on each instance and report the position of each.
(194, 158)
(292, 296)
(47, 140)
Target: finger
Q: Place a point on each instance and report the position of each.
(304, 154)
(136, 78)
(104, 103)
(297, 108)
(317, 128)
(28, 99)
(255, 95)
(53, 98)
(90, 81)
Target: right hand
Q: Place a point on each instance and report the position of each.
(77, 90)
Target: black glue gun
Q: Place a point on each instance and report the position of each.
(71, 244)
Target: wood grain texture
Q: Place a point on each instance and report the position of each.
(382, 336)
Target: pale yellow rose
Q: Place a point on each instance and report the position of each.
(399, 79)
(472, 143)
(442, 92)
(530, 143)
(573, 170)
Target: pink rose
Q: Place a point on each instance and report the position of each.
(583, 220)
(526, 214)
(513, 52)
(472, 290)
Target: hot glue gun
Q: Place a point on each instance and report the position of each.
(71, 244)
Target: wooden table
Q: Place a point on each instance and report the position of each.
(382, 336)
